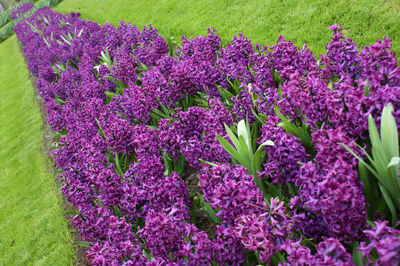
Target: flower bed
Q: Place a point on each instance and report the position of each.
(21, 9)
(267, 132)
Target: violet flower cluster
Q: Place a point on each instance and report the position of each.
(330, 186)
(383, 240)
(121, 104)
(193, 134)
(20, 10)
(283, 159)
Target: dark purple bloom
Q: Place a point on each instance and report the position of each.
(22, 9)
(329, 252)
(330, 186)
(263, 233)
(231, 190)
(282, 162)
(383, 240)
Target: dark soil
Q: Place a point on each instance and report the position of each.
(202, 222)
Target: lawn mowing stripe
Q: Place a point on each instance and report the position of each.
(33, 228)
(301, 21)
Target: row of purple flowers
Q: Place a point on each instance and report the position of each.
(133, 117)
(20, 10)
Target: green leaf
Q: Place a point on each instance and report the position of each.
(110, 93)
(394, 162)
(206, 207)
(83, 244)
(267, 143)
(144, 67)
(244, 149)
(258, 117)
(380, 163)
(291, 190)
(357, 258)
(244, 132)
(232, 136)
(118, 165)
(47, 43)
(168, 169)
(363, 174)
(108, 78)
(101, 132)
(71, 213)
(389, 133)
(359, 159)
(259, 156)
(58, 100)
(225, 94)
(209, 163)
(65, 39)
(390, 204)
(373, 133)
(260, 185)
(117, 211)
(234, 153)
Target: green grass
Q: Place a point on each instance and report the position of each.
(304, 21)
(33, 229)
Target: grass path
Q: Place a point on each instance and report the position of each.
(33, 230)
(300, 21)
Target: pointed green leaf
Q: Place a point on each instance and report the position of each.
(390, 204)
(360, 159)
(267, 143)
(118, 165)
(357, 258)
(242, 131)
(389, 133)
(84, 244)
(209, 163)
(244, 150)
(101, 132)
(394, 162)
(71, 213)
(373, 133)
(234, 153)
(232, 136)
(117, 211)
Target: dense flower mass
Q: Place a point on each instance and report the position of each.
(193, 134)
(20, 10)
(231, 190)
(329, 252)
(385, 241)
(282, 163)
(330, 186)
(144, 129)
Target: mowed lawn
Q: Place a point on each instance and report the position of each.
(33, 230)
(301, 21)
